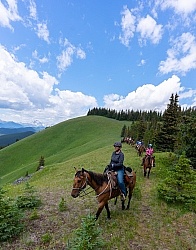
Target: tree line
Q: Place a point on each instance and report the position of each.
(173, 130)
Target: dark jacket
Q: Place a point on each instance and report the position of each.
(117, 160)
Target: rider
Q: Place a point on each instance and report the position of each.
(149, 152)
(138, 144)
(116, 164)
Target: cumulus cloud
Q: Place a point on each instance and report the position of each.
(179, 6)
(146, 97)
(182, 56)
(65, 59)
(127, 25)
(26, 95)
(9, 13)
(149, 29)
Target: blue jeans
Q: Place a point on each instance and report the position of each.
(121, 183)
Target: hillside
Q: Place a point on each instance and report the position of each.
(57, 144)
(8, 139)
(87, 142)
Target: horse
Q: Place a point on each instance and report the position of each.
(103, 188)
(148, 163)
(140, 150)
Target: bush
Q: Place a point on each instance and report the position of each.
(46, 238)
(10, 218)
(87, 236)
(62, 205)
(180, 185)
(29, 199)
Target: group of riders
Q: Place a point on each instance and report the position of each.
(116, 163)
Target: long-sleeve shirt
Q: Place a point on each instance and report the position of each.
(117, 160)
(149, 151)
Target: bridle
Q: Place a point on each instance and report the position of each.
(82, 188)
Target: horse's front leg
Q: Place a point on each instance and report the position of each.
(129, 200)
(100, 208)
(108, 211)
(123, 205)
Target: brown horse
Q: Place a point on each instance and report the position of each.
(140, 150)
(103, 187)
(148, 163)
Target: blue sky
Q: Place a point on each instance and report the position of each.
(60, 58)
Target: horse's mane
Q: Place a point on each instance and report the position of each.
(98, 178)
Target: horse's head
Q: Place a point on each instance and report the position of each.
(80, 182)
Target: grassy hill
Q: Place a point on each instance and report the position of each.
(87, 142)
(57, 144)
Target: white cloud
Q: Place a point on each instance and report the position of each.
(40, 59)
(26, 96)
(142, 62)
(182, 55)
(128, 26)
(179, 6)
(9, 13)
(149, 29)
(43, 32)
(146, 97)
(65, 59)
(33, 10)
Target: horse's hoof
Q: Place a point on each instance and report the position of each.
(108, 218)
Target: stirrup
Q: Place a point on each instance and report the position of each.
(123, 198)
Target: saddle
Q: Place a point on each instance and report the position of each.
(112, 177)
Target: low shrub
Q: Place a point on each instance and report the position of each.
(87, 236)
(10, 218)
(180, 185)
(29, 199)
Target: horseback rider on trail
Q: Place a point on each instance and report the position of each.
(116, 164)
(149, 153)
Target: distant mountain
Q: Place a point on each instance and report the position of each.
(10, 124)
(10, 132)
(36, 126)
(6, 140)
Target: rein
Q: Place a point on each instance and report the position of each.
(87, 182)
(104, 191)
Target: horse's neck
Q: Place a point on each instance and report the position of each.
(91, 182)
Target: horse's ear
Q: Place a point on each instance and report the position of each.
(76, 169)
(83, 170)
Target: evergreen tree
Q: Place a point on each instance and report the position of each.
(141, 129)
(123, 131)
(188, 137)
(166, 139)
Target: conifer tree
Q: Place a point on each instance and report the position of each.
(123, 131)
(167, 137)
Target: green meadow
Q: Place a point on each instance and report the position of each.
(149, 224)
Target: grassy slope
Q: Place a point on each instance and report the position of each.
(57, 144)
(149, 224)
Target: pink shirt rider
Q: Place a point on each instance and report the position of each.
(149, 151)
